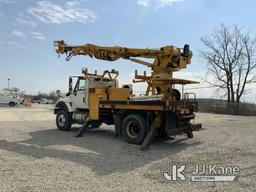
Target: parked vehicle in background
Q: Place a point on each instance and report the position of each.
(46, 101)
(43, 101)
(8, 99)
(11, 98)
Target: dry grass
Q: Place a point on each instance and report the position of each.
(221, 107)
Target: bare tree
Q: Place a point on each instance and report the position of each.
(231, 61)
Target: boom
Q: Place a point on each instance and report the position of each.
(167, 59)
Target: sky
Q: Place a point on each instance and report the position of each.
(29, 27)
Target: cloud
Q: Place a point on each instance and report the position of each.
(144, 3)
(48, 12)
(37, 35)
(157, 3)
(165, 3)
(72, 3)
(26, 22)
(19, 34)
(31, 34)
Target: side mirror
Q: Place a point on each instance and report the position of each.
(70, 85)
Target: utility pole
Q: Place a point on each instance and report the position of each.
(8, 83)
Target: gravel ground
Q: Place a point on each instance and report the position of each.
(34, 156)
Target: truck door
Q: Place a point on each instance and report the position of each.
(79, 96)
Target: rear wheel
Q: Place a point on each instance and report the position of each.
(63, 120)
(11, 104)
(134, 129)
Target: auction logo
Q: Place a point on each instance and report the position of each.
(203, 172)
(175, 173)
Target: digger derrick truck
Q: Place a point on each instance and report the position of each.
(97, 98)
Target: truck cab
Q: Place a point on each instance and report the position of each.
(74, 106)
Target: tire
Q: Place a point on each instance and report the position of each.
(11, 104)
(63, 120)
(134, 129)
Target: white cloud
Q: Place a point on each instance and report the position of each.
(31, 34)
(157, 3)
(19, 34)
(72, 3)
(165, 3)
(26, 21)
(48, 12)
(144, 3)
(37, 35)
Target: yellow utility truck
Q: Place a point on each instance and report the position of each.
(96, 98)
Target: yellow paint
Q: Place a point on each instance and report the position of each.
(94, 101)
(118, 94)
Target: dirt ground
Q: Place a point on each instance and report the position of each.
(35, 156)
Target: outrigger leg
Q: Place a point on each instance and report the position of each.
(82, 129)
(152, 133)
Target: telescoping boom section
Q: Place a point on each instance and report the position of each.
(161, 110)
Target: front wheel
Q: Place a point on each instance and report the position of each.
(63, 120)
(134, 129)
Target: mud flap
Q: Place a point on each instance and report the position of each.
(170, 121)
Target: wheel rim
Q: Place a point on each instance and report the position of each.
(132, 130)
(61, 120)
